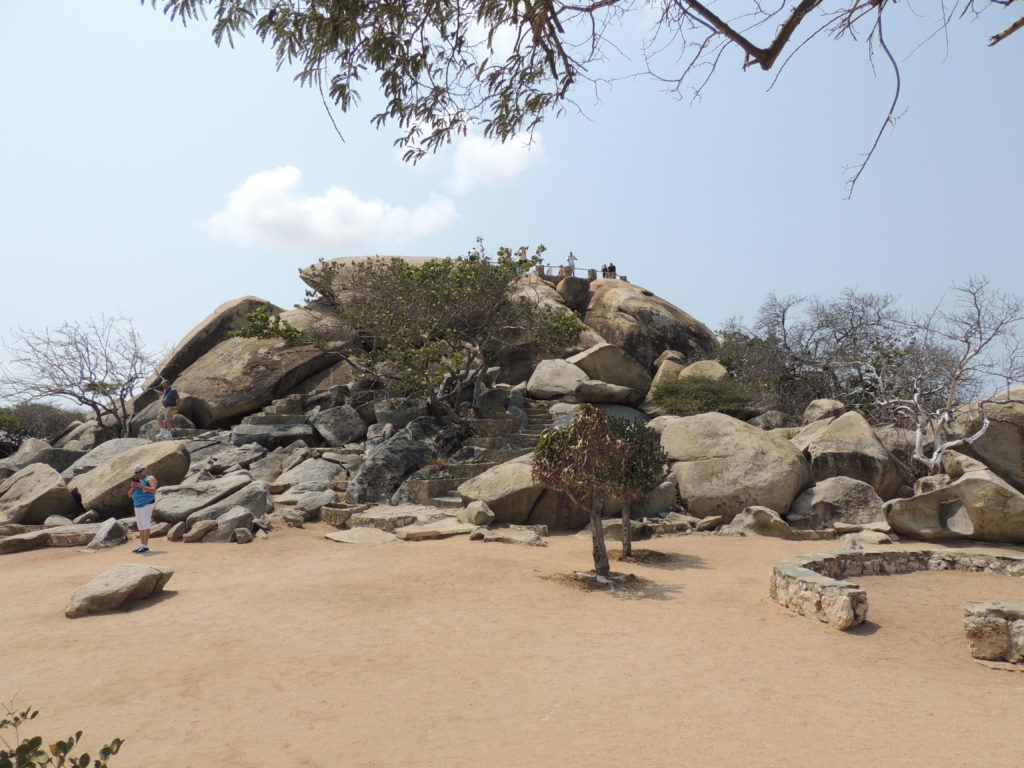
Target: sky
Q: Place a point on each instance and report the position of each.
(145, 172)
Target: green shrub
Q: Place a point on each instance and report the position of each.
(696, 394)
(35, 752)
(262, 324)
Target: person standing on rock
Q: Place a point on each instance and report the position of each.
(168, 408)
(571, 262)
(143, 495)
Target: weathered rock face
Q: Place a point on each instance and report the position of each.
(228, 523)
(774, 420)
(759, 521)
(255, 497)
(389, 463)
(1001, 448)
(398, 411)
(239, 376)
(208, 333)
(848, 447)
(508, 489)
(340, 425)
(724, 465)
(591, 391)
(272, 436)
(100, 454)
(318, 471)
(705, 369)
(669, 365)
(574, 291)
(977, 505)
(35, 451)
(837, 499)
(642, 324)
(554, 378)
(822, 409)
(33, 494)
(105, 488)
(112, 589)
(176, 502)
(610, 364)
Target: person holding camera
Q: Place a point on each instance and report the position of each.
(143, 495)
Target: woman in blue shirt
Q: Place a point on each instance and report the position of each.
(143, 495)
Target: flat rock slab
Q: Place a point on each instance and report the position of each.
(112, 589)
(388, 518)
(60, 536)
(509, 536)
(440, 529)
(362, 536)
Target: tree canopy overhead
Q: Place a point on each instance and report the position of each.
(443, 65)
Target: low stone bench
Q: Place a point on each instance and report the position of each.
(815, 586)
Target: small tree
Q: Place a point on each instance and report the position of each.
(583, 460)
(432, 330)
(644, 467)
(98, 364)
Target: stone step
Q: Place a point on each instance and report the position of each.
(448, 501)
(274, 418)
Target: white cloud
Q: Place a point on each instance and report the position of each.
(480, 162)
(269, 209)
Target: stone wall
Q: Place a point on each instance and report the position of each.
(995, 631)
(814, 585)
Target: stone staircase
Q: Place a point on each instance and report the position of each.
(285, 410)
(499, 438)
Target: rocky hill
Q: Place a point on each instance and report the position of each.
(270, 432)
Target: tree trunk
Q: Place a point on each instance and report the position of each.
(601, 566)
(627, 531)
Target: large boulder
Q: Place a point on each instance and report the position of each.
(339, 425)
(836, 499)
(977, 504)
(239, 376)
(554, 378)
(112, 589)
(669, 365)
(642, 324)
(508, 489)
(208, 333)
(317, 471)
(574, 291)
(105, 488)
(704, 369)
(34, 493)
(102, 453)
(36, 451)
(759, 521)
(1001, 447)
(593, 391)
(847, 446)
(255, 497)
(176, 502)
(272, 436)
(391, 462)
(610, 364)
(724, 465)
(822, 408)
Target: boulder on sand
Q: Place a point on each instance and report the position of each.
(105, 488)
(112, 589)
(847, 446)
(33, 494)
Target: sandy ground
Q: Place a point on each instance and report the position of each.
(300, 651)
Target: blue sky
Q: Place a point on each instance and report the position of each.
(146, 172)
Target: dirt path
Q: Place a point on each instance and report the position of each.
(300, 651)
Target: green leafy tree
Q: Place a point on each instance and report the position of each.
(698, 394)
(583, 460)
(11, 433)
(440, 68)
(262, 323)
(98, 364)
(433, 330)
(33, 752)
(644, 468)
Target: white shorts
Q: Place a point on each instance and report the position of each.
(144, 516)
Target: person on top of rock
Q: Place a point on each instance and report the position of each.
(571, 261)
(610, 270)
(168, 408)
(142, 492)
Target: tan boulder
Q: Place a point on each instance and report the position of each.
(34, 493)
(705, 369)
(642, 324)
(508, 489)
(574, 291)
(977, 505)
(554, 378)
(759, 521)
(117, 586)
(1001, 448)
(105, 488)
(822, 408)
(837, 499)
(847, 446)
(724, 465)
(610, 364)
(208, 333)
(240, 376)
(668, 367)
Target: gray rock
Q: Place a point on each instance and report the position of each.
(243, 535)
(310, 504)
(822, 409)
(255, 497)
(554, 378)
(159, 529)
(101, 454)
(847, 446)
(610, 364)
(837, 499)
(385, 518)
(35, 451)
(105, 488)
(522, 536)
(292, 518)
(775, 420)
(23, 542)
(494, 399)
(324, 473)
(236, 517)
(176, 502)
(362, 536)
(230, 456)
(593, 391)
(33, 494)
(398, 411)
(56, 520)
(177, 531)
(199, 531)
(438, 529)
(86, 517)
(110, 534)
(476, 513)
(391, 462)
(272, 435)
(340, 425)
(760, 521)
(116, 587)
